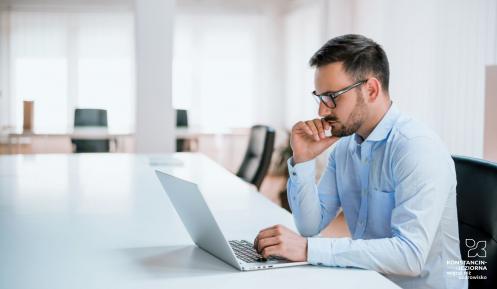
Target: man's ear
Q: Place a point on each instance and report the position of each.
(373, 87)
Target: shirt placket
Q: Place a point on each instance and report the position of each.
(364, 174)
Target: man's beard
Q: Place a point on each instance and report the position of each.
(354, 121)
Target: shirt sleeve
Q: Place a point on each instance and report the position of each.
(313, 206)
(424, 177)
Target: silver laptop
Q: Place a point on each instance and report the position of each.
(205, 232)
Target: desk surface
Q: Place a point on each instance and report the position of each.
(103, 221)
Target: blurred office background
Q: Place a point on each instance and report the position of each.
(195, 75)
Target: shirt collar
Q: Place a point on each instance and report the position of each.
(383, 128)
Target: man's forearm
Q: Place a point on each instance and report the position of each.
(304, 199)
(305, 207)
(395, 255)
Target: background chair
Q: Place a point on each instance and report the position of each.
(258, 155)
(182, 144)
(181, 118)
(96, 118)
(477, 214)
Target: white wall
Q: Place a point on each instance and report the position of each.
(154, 113)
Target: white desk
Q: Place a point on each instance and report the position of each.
(103, 221)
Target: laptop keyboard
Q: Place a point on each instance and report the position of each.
(246, 252)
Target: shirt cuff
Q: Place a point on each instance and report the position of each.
(302, 172)
(319, 251)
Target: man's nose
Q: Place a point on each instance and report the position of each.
(323, 110)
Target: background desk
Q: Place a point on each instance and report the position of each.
(103, 221)
(28, 142)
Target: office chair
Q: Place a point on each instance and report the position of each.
(257, 158)
(477, 214)
(181, 118)
(182, 145)
(90, 118)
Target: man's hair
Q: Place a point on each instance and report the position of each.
(360, 56)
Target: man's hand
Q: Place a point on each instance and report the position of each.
(280, 241)
(308, 139)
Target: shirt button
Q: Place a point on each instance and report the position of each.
(294, 173)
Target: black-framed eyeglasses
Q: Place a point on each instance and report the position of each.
(328, 98)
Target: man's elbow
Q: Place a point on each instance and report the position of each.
(412, 271)
(305, 226)
(413, 265)
(307, 231)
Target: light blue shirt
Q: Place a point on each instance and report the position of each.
(397, 189)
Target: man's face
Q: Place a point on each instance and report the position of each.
(351, 109)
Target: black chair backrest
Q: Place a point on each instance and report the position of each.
(181, 118)
(90, 117)
(91, 145)
(477, 214)
(257, 158)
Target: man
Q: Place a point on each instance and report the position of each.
(392, 176)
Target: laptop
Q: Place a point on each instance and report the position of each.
(205, 232)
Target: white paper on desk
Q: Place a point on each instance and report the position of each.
(164, 161)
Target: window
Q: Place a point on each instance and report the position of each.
(214, 74)
(68, 59)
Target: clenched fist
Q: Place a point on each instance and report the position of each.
(279, 241)
(308, 139)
